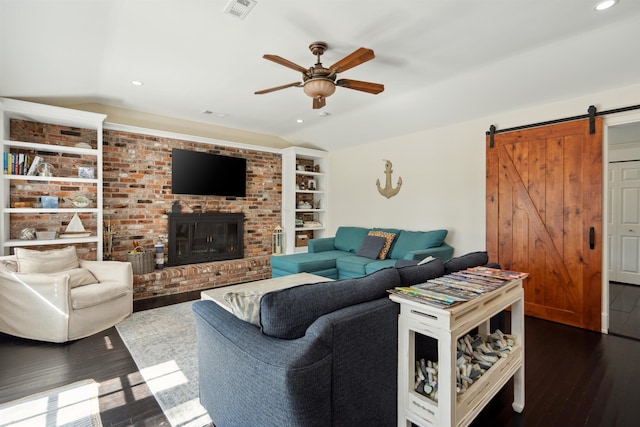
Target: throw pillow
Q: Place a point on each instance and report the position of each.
(387, 245)
(80, 277)
(52, 261)
(371, 246)
(8, 266)
(472, 259)
(245, 305)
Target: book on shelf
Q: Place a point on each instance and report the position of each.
(20, 163)
(34, 165)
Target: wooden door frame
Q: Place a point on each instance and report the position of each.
(608, 121)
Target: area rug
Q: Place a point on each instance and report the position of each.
(162, 342)
(74, 405)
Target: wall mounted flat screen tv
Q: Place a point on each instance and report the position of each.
(195, 172)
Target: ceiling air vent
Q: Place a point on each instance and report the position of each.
(239, 8)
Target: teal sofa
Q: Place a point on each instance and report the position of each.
(340, 257)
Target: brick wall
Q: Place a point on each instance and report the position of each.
(137, 198)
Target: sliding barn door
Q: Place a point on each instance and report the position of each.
(544, 217)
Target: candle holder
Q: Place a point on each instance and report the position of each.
(277, 241)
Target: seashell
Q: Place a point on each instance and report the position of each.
(28, 233)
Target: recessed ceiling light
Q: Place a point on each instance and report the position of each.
(300, 121)
(604, 5)
(137, 83)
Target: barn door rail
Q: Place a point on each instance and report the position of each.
(591, 115)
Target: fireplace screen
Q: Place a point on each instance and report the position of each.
(204, 237)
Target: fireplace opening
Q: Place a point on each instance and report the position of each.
(205, 237)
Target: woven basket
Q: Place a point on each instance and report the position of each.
(142, 262)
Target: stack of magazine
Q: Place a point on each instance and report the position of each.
(456, 288)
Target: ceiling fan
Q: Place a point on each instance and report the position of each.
(319, 82)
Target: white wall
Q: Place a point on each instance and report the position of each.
(443, 173)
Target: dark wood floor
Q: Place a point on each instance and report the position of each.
(573, 377)
(28, 367)
(624, 310)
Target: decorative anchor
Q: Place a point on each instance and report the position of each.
(388, 191)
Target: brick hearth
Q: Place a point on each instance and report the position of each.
(192, 277)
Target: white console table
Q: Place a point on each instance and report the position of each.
(446, 326)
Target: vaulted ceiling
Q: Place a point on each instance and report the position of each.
(441, 62)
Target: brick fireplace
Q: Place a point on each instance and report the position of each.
(138, 201)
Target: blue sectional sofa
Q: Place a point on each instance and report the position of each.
(341, 257)
(322, 354)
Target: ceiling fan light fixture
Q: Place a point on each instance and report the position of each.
(319, 87)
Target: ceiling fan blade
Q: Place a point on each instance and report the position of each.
(273, 89)
(356, 58)
(280, 60)
(374, 88)
(319, 102)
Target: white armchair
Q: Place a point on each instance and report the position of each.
(53, 307)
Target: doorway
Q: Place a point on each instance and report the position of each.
(622, 286)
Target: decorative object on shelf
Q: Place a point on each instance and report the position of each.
(34, 166)
(28, 233)
(316, 168)
(304, 205)
(313, 224)
(46, 235)
(316, 204)
(303, 186)
(277, 241)
(388, 191)
(49, 202)
(79, 201)
(301, 240)
(21, 205)
(159, 247)
(83, 145)
(45, 169)
(75, 229)
(300, 168)
(86, 172)
(311, 184)
(108, 234)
